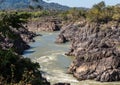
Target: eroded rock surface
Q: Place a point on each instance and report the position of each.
(96, 48)
(67, 33)
(47, 24)
(19, 40)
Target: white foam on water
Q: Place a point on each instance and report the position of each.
(54, 74)
(54, 52)
(60, 76)
(48, 59)
(44, 59)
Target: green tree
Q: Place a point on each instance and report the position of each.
(116, 15)
(11, 20)
(96, 14)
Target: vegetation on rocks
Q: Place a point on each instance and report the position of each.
(73, 14)
(102, 13)
(15, 69)
(98, 13)
(94, 34)
(94, 43)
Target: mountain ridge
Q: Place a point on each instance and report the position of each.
(19, 4)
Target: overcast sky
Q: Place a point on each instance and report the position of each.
(83, 3)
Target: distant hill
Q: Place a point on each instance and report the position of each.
(20, 4)
(118, 5)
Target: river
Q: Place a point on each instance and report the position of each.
(53, 62)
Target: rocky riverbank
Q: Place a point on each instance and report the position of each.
(96, 50)
(14, 38)
(19, 40)
(48, 24)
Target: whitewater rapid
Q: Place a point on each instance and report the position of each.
(53, 62)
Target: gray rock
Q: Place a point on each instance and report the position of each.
(96, 51)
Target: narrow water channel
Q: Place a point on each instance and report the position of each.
(53, 62)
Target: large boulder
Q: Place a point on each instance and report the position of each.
(67, 33)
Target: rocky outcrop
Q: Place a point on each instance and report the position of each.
(18, 41)
(67, 33)
(26, 35)
(69, 30)
(96, 48)
(47, 24)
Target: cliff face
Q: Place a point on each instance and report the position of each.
(18, 4)
(96, 48)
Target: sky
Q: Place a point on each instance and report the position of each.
(83, 3)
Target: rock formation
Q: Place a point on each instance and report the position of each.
(47, 24)
(19, 41)
(67, 33)
(96, 48)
